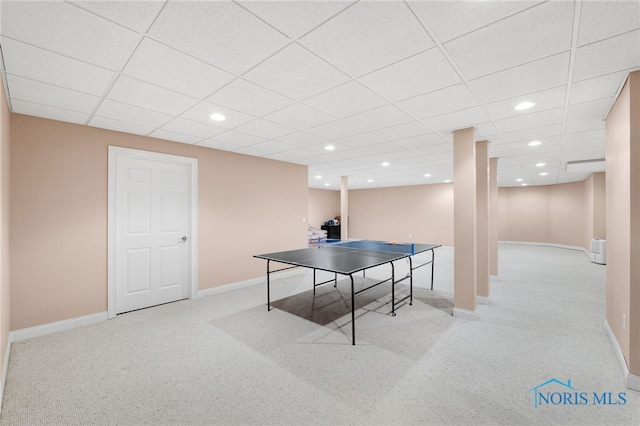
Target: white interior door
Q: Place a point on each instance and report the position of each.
(152, 229)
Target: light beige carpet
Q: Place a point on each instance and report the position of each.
(225, 360)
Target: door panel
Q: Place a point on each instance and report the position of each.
(152, 216)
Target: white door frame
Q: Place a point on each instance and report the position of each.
(116, 152)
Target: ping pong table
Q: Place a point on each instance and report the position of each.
(349, 257)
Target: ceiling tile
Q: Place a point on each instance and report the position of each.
(131, 114)
(145, 95)
(586, 135)
(335, 130)
(52, 113)
(135, 15)
(405, 130)
(544, 29)
(345, 100)
(379, 118)
(202, 110)
(422, 73)
(596, 88)
(53, 96)
(468, 15)
(457, 120)
(73, 33)
(594, 109)
(216, 144)
(168, 68)
(608, 56)
(299, 116)
(300, 139)
(175, 136)
(531, 120)
(533, 134)
(264, 128)
(192, 128)
(546, 99)
(295, 18)
(533, 77)
(119, 126)
(27, 61)
(243, 95)
(604, 19)
(365, 37)
(296, 73)
(237, 138)
(215, 32)
(439, 102)
(273, 146)
(362, 140)
(584, 125)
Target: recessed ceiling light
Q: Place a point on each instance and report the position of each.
(427, 175)
(524, 105)
(217, 117)
(544, 174)
(534, 143)
(326, 184)
(447, 181)
(524, 184)
(329, 147)
(540, 165)
(318, 177)
(385, 164)
(369, 180)
(518, 180)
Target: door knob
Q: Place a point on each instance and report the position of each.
(184, 238)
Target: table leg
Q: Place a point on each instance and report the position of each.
(393, 291)
(433, 261)
(353, 313)
(268, 288)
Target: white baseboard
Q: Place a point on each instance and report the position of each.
(632, 381)
(54, 327)
(465, 314)
(483, 300)
(563, 246)
(248, 283)
(5, 368)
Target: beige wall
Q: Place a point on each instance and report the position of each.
(59, 215)
(558, 214)
(623, 221)
(4, 227)
(424, 211)
(564, 214)
(323, 205)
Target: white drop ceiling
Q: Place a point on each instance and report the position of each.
(378, 80)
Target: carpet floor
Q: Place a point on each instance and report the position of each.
(226, 360)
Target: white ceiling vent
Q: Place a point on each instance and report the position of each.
(595, 165)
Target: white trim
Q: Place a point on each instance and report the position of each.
(483, 300)
(494, 278)
(465, 314)
(564, 246)
(114, 153)
(5, 369)
(54, 327)
(632, 381)
(242, 284)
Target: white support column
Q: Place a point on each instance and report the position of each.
(464, 224)
(344, 208)
(482, 213)
(493, 219)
